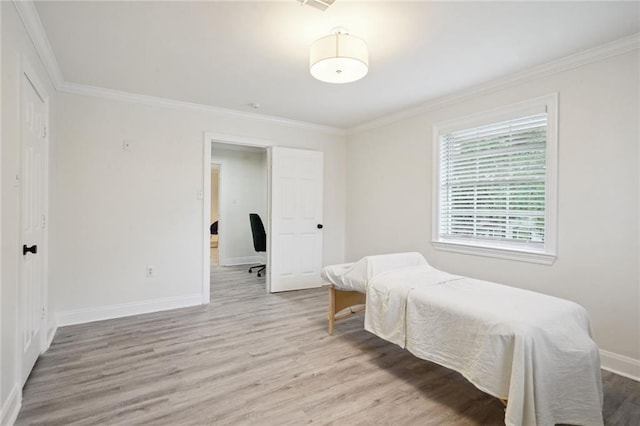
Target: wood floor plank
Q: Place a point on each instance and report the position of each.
(256, 358)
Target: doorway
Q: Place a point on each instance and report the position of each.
(290, 209)
(242, 190)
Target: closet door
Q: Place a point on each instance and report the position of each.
(33, 158)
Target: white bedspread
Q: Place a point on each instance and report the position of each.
(532, 349)
(387, 302)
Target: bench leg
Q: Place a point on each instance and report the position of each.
(332, 309)
(343, 304)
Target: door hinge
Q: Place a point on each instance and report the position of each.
(44, 221)
(44, 131)
(42, 315)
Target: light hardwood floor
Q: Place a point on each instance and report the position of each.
(255, 358)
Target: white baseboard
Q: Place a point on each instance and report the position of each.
(620, 364)
(51, 333)
(246, 260)
(11, 406)
(99, 313)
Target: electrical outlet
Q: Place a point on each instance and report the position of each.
(150, 271)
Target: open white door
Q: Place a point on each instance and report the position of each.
(295, 235)
(33, 222)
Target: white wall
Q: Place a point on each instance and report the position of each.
(243, 190)
(16, 47)
(113, 212)
(390, 187)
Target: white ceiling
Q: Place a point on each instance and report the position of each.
(232, 53)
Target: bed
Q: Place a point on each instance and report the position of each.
(532, 350)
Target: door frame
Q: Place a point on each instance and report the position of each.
(28, 71)
(210, 137)
(220, 251)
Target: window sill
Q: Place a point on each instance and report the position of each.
(500, 253)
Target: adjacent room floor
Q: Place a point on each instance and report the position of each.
(255, 358)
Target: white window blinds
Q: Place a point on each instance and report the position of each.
(492, 183)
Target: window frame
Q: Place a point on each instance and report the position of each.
(504, 250)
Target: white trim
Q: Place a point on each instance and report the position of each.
(237, 140)
(475, 247)
(551, 182)
(31, 20)
(638, 236)
(501, 113)
(33, 25)
(507, 254)
(206, 219)
(620, 364)
(269, 261)
(243, 260)
(222, 240)
(1, 193)
(599, 53)
(99, 313)
(11, 406)
(51, 333)
(122, 96)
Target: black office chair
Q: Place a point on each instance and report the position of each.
(259, 239)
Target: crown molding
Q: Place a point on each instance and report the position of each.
(122, 96)
(27, 11)
(32, 23)
(576, 60)
(29, 15)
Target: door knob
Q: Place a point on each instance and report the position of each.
(33, 249)
(319, 226)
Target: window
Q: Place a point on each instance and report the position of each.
(496, 182)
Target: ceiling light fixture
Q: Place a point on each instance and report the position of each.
(339, 58)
